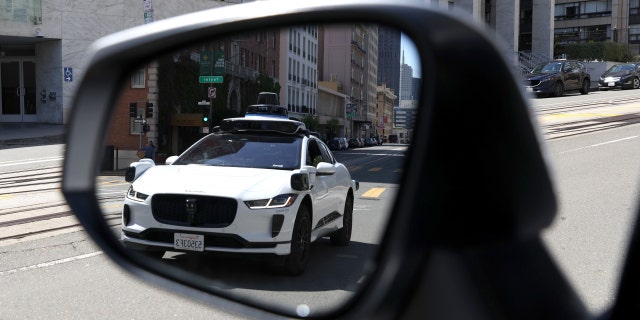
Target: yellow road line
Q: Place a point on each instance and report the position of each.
(376, 169)
(6, 196)
(373, 193)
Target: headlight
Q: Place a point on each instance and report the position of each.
(137, 196)
(547, 79)
(279, 201)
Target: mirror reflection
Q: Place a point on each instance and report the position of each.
(267, 161)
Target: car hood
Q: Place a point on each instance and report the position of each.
(538, 76)
(616, 74)
(212, 180)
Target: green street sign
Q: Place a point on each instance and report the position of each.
(211, 79)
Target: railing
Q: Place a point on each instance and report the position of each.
(240, 71)
(527, 60)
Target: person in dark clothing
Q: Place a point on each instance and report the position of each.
(149, 151)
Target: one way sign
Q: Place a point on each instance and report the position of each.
(68, 74)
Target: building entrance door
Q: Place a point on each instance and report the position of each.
(18, 95)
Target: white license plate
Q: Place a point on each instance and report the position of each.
(186, 241)
(529, 89)
(611, 84)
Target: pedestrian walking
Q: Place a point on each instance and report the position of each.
(150, 150)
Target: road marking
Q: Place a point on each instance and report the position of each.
(373, 193)
(598, 144)
(376, 169)
(51, 263)
(6, 196)
(355, 168)
(21, 162)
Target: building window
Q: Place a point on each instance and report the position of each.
(138, 78)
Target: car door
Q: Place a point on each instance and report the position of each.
(571, 73)
(336, 189)
(320, 184)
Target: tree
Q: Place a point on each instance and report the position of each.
(311, 122)
(607, 51)
(332, 127)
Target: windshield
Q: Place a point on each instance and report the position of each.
(621, 67)
(247, 151)
(551, 67)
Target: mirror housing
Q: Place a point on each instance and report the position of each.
(171, 160)
(432, 231)
(325, 169)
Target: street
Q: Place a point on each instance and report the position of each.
(47, 257)
(50, 269)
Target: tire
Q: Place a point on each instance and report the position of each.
(558, 89)
(636, 83)
(586, 85)
(342, 237)
(297, 259)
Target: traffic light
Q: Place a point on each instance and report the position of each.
(133, 109)
(205, 115)
(148, 110)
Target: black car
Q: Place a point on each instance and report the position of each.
(620, 76)
(556, 77)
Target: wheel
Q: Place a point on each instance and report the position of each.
(586, 84)
(343, 236)
(636, 83)
(558, 89)
(296, 261)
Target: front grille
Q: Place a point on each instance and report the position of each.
(533, 83)
(208, 212)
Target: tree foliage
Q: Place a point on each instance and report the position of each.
(311, 122)
(607, 51)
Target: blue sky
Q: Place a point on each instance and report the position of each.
(411, 56)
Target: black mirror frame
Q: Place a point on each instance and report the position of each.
(515, 167)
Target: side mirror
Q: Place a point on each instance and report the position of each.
(325, 169)
(170, 160)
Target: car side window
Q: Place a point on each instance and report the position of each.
(326, 154)
(314, 156)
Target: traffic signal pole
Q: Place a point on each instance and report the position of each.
(210, 115)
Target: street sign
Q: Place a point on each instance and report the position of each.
(68, 74)
(205, 63)
(210, 79)
(212, 92)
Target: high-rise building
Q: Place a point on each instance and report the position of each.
(406, 81)
(389, 58)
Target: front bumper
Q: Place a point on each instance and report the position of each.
(615, 83)
(265, 231)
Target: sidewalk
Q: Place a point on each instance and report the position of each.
(25, 134)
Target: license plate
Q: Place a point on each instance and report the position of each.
(611, 84)
(186, 241)
(529, 89)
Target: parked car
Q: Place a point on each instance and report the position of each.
(620, 76)
(368, 142)
(557, 77)
(335, 144)
(354, 143)
(258, 186)
(345, 143)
